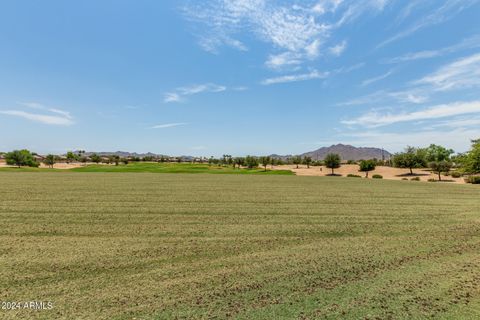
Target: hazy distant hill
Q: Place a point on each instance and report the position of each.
(123, 154)
(348, 152)
(126, 154)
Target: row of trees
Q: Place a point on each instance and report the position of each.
(438, 158)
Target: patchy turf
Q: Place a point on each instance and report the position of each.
(160, 246)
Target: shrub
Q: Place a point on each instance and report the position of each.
(415, 179)
(456, 174)
(431, 180)
(473, 180)
(377, 176)
(353, 176)
(404, 178)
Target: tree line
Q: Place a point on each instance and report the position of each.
(438, 158)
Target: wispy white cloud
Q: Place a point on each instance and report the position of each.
(180, 93)
(338, 49)
(172, 97)
(445, 12)
(51, 116)
(296, 77)
(287, 29)
(240, 88)
(278, 61)
(378, 96)
(458, 138)
(463, 73)
(296, 33)
(354, 9)
(409, 96)
(459, 122)
(376, 79)
(324, 6)
(42, 118)
(411, 7)
(377, 119)
(39, 106)
(208, 87)
(168, 125)
(348, 69)
(468, 43)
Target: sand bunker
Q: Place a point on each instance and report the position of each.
(387, 172)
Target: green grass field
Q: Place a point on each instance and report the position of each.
(188, 246)
(177, 168)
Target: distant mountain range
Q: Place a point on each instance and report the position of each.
(346, 152)
(126, 154)
(123, 154)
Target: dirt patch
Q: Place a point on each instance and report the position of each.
(60, 165)
(387, 172)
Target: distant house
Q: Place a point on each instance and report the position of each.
(38, 158)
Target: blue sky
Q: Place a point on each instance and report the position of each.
(238, 77)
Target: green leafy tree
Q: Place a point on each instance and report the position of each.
(438, 158)
(437, 153)
(265, 161)
(367, 166)
(71, 157)
(95, 158)
(251, 162)
(21, 158)
(411, 158)
(273, 161)
(50, 160)
(332, 161)
(115, 159)
(307, 161)
(471, 161)
(297, 160)
(239, 161)
(439, 167)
